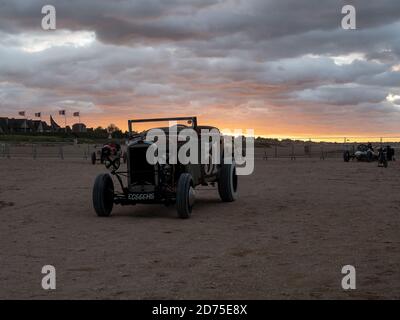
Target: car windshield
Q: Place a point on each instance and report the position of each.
(165, 125)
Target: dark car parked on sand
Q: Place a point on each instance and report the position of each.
(161, 183)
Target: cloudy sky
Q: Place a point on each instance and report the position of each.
(282, 67)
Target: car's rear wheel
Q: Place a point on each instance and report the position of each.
(103, 195)
(185, 196)
(228, 182)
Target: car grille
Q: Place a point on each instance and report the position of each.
(141, 172)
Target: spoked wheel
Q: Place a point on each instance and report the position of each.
(228, 183)
(185, 196)
(103, 195)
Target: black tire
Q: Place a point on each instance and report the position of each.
(346, 156)
(93, 159)
(103, 195)
(228, 183)
(184, 196)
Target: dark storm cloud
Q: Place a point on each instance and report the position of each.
(125, 21)
(349, 94)
(252, 57)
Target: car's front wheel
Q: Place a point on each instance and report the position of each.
(103, 195)
(185, 196)
(228, 182)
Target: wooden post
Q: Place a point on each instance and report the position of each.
(276, 151)
(61, 151)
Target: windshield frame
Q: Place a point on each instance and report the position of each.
(193, 119)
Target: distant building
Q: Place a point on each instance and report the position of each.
(3, 125)
(11, 125)
(54, 126)
(79, 128)
(40, 126)
(19, 125)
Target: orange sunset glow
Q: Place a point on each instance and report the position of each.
(243, 71)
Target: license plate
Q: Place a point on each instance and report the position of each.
(141, 196)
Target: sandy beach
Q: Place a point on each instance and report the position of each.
(294, 226)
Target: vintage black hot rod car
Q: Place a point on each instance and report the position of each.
(100, 154)
(166, 182)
